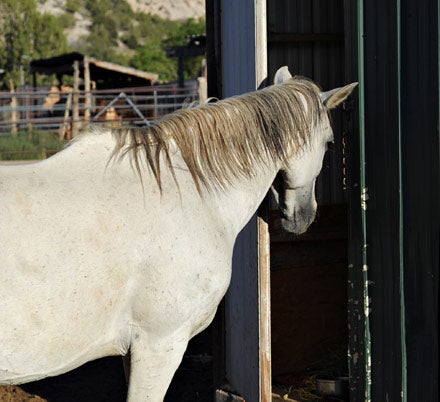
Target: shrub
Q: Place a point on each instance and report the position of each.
(29, 145)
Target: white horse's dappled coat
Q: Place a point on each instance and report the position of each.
(108, 252)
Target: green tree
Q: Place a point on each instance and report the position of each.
(160, 35)
(152, 57)
(50, 39)
(25, 34)
(154, 27)
(72, 6)
(183, 30)
(179, 36)
(112, 24)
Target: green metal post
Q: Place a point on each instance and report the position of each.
(401, 251)
(364, 198)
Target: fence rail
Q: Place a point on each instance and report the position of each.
(68, 111)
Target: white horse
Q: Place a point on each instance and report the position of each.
(122, 243)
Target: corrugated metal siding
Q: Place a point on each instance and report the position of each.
(238, 66)
(420, 183)
(308, 36)
(400, 98)
(399, 139)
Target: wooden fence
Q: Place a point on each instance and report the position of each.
(68, 111)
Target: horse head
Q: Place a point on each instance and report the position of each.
(294, 186)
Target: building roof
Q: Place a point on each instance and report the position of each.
(105, 74)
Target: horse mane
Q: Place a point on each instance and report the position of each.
(222, 141)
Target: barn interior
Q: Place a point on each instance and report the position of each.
(309, 272)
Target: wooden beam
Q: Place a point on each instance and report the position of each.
(87, 88)
(225, 396)
(264, 301)
(75, 106)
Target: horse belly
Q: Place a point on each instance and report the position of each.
(37, 345)
(50, 327)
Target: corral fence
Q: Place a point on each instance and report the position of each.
(68, 112)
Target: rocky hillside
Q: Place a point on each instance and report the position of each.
(169, 9)
(172, 9)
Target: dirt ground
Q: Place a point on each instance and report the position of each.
(104, 381)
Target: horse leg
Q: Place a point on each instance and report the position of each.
(152, 367)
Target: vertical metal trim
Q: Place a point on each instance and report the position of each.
(401, 251)
(364, 198)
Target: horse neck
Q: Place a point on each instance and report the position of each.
(235, 205)
(241, 200)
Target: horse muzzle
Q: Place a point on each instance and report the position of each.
(298, 209)
(298, 222)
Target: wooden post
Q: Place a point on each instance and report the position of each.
(155, 108)
(28, 115)
(75, 106)
(264, 303)
(64, 127)
(88, 99)
(14, 116)
(202, 90)
(262, 226)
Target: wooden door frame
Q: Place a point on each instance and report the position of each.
(241, 27)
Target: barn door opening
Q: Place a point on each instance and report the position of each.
(309, 273)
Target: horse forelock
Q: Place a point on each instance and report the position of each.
(223, 141)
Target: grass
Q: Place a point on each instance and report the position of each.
(29, 145)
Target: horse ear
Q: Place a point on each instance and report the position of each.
(333, 98)
(282, 75)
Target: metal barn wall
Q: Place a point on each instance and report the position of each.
(392, 48)
(308, 36)
(394, 197)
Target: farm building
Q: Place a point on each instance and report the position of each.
(105, 75)
(366, 275)
(361, 286)
(102, 92)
